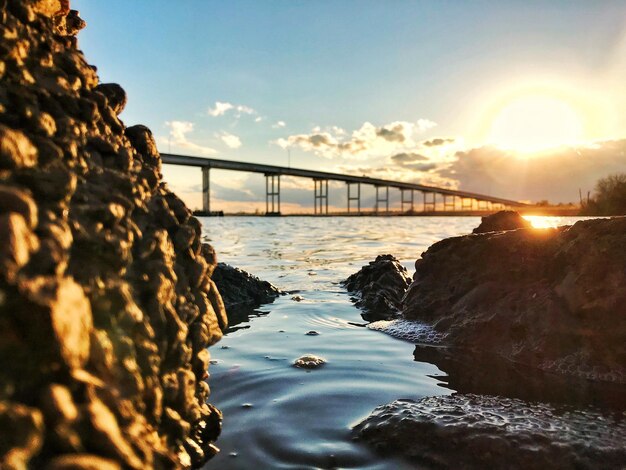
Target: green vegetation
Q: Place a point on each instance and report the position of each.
(609, 197)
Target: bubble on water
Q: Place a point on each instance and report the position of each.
(406, 330)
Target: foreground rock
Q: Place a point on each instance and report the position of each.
(553, 299)
(500, 221)
(474, 431)
(106, 301)
(379, 287)
(241, 291)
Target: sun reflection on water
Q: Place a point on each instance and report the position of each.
(540, 221)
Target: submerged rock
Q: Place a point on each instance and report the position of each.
(500, 221)
(378, 287)
(553, 299)
(106, 300)
(475, 431)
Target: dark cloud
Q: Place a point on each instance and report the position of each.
(437, 142)
(556, 175)
(404, 158)
(396, 133)
(421, 166)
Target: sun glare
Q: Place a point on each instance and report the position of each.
(533, 123)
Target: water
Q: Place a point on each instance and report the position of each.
(278, 416)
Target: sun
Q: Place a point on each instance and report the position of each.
(536, 122)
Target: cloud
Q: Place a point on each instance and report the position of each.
(437, 142)
(221, 108)
(279, 124)
(364, 142)
(555, 175)
(404, 157)
(231, 140)
(178, 137)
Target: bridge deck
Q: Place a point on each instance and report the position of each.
(217, 164)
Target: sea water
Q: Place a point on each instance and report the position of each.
(278, 416)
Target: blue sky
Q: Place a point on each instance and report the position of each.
(348, 85)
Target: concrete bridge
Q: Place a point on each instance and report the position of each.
(452, 200)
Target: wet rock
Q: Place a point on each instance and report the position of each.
(241, 289)
(104, 292)
(552, 299)
(309, 361)
(475, 431)
(500, 221)
(379, 287)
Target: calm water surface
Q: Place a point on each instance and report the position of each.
(278, 416)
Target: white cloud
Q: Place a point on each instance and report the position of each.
(258, 119)
(178, 137)
(231, 140)
(221, 108)
(365, 142)
(279, 125)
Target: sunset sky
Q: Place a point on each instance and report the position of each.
(517, 99)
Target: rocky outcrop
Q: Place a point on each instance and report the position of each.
(552, 299)
(378, 287)
(241, 291)
(106, 301)
(500, 221)
(475, 431)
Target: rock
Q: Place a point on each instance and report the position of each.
(104, 290)
(309, 361)
(16, 150)
(552, 299)
(82, 462)
(15, 200)
(379, 287)
(115, 95)
(475, 431)
(22, 428)
(240, 289)
(502, 220)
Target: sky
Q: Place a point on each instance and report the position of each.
(517, 99)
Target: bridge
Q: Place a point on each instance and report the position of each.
(452, 200)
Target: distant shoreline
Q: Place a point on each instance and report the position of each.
(534, 211)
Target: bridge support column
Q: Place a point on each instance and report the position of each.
(447, 205)
(356, 198)
(430, 205)
(466, 204)
(272, 194)
(206, 189)
(321, 196)
(384, 199)
(411, 201)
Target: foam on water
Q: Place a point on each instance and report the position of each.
(412, 331)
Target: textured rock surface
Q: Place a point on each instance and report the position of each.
(474, 431)
(379, 287)
(500, 221)
(553, 299)
(106, 301)
(240, 289)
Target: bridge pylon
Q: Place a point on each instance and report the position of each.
(384, 199)
(356, 198)
(320, 196)
(272, 194)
